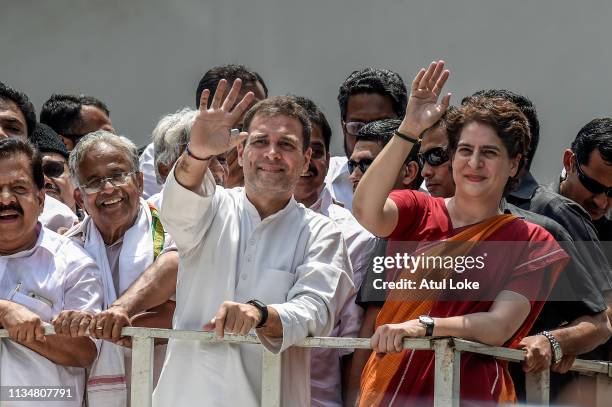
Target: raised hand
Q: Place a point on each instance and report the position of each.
(210, 133)
(423, 109)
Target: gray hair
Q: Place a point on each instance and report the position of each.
(170, 136)
(77, 155)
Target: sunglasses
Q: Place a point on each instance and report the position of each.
(363, 165)
(353, 128)
(53, 169)
(591, 185)
(434, 156)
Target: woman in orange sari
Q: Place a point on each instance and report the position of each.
(487, 142)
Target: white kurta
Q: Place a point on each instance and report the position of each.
(147, 167)
(294, 260)
(338, 182)
(56, 215)
(326, 372)
(55, 275)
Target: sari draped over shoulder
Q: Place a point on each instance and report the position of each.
(407, 378)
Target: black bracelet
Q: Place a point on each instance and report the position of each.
(263, 310)
(407, 138)
(195, 157)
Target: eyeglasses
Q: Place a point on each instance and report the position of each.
(353, 128)
(363, 165)
(53, 169)
(117, 180)
(434, 156)
(591, 185)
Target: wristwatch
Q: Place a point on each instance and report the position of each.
(263, 310)
(428, 323)
(554, 345)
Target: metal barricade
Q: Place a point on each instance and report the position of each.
(447, 361)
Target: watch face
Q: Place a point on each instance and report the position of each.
(426, 319)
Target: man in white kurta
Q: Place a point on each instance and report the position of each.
(41, 275)
(234, 248)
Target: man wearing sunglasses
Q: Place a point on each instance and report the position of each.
(55, 166)
(370, 141)
(74, 116)
(328, 366)
(434, 160)
(588, 165)
(365, 96)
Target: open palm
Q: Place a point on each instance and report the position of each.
(423, 109)
(210, 133)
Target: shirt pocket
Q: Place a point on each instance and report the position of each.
(275, 286)
(39, 307)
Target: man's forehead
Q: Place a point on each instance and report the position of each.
(278, 123)
(9, 108)
(15, 168)
(435, 138)
(366, 148)
(599, 169)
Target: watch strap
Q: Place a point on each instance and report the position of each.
(263, 310)
(554, 345)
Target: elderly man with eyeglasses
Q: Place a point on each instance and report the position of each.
(124, 234)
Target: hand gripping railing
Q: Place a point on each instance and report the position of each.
(447, 361)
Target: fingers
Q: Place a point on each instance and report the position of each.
(375, 340)
(439, 83)
(209, 326)
(242, 106)
(220, 321)
(446, 101)
(417, 80)
(219, 92)
(398, 343)
(424, 84)
(39, 333)
(229, 101)
(436, 74)
(204, 99)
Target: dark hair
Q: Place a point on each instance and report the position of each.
(12, 146)
(371, 80)
(508, 122)
(381, 131)
(63, 112)
(23, 104)
(230, 72)
(317, 118)
(47, 140)
(596, 134)
(281, 106)
(526, 106)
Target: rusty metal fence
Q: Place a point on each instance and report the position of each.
(447, 361)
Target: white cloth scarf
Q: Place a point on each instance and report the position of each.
(106, 385)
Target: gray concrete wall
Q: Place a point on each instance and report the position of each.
(144, 58)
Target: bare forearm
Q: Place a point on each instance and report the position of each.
(65, 351)
(373, 189)
(583, 334)
(190, 172)
(474, 327)
(154, 287)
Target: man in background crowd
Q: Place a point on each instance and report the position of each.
(366, 95)
(74, 116)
